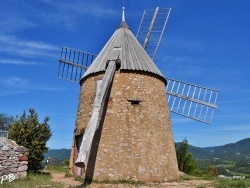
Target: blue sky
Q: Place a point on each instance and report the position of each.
(206, 42)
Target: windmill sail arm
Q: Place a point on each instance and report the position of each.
(191, 99)
(73, 64)
(151, 29)
(96, 116)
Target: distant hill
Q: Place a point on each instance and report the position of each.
(58, 154)
(238, 150)
(241, 147)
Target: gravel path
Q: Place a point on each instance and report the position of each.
(70, 182)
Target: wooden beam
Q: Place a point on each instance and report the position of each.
(97, 114)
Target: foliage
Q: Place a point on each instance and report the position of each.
(227, 167)
(186, 163)
(5, 121)
(66, 162)
(212, 171)
(222, 171)
(28, 132)
(242, 163)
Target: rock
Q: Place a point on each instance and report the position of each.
(22, 168)
(13, 170)
(14, 165)
(8, 164)
(12, 142)
(22, 149)
(21, 174)
(5, 148)
(23, 158)
(181, 173)
(24, 163)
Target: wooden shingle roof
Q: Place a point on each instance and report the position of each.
(124, 45)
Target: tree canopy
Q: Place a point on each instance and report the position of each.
(27, 131)
(186, 163)
(5, 121)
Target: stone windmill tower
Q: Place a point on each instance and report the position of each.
(123, 128)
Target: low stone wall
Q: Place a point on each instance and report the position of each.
(13, 160)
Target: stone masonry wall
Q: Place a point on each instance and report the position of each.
(13, 160)
(135, 141)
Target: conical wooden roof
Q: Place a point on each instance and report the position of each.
(125, 46)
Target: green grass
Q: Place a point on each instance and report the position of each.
(59, 168)
(224, 183)
(32, 180)
(37, 180)
(43, 180)
(62, 169)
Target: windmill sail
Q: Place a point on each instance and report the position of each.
(151, 29)
(96, 116)
(191, 101)
(73, 64)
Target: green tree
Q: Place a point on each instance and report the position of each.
(186, 163)
(5, 121)
(27, 131)
(212, 171)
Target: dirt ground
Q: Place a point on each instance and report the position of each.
(70, 182)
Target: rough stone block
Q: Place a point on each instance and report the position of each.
(22, 149)
(8, 164)
(5, 148)
(24, 163)
(13, 170)
(22, 168)
(14, 165)
(23, 158)
(21, 174)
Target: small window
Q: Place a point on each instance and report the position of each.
(134, 101)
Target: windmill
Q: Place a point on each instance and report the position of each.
(123, 127)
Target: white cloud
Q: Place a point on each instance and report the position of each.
(16, 85)
(12, 45)
(13, 22)
(19, 62)
(71, 15)
(61, 14)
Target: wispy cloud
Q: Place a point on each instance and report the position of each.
(13, 22)
(61, 14)
(19, 62)
(16, 85)
(12, 45)
(70, 14)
